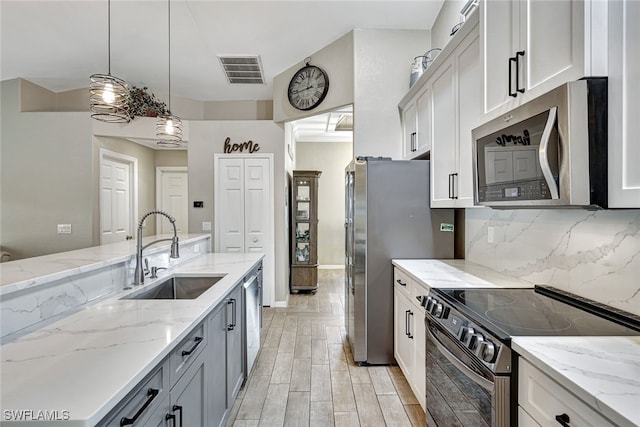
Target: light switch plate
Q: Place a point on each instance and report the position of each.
(490, 235)
(206, 226)
(64, 228)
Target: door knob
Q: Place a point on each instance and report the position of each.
(255, 240)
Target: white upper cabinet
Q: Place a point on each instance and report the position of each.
(624, 104)
(416, 125)
(531, 46)
(439, 112)
(457, 109)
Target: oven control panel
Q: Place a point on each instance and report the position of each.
(474, 338)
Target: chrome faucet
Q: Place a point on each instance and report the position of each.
(139, 273)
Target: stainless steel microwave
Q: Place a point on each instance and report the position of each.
(548, 152)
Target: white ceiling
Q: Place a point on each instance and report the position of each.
(58, 44)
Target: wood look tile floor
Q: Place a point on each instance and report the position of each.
(305, 374)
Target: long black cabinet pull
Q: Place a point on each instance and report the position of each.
(406, 322)
(512, 60)
(231, 326)
(414, 146)
(172, 418)
(400, 282)
(178, 408)
(197, 341)
(152, 393)
(518, 55)
(563, 420)
(409, 323)
(453, 187)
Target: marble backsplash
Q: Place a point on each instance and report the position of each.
(594, 254)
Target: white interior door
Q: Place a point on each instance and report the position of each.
(172, 197)
(117, 208)
(243, 211)
(229, 205)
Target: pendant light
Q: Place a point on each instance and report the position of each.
(168, 126)
(108, 95)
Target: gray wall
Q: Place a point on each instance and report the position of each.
(331, 158)
(49, 173)
(382, 67)
(206, 139)
(46, 171)
(448, 17)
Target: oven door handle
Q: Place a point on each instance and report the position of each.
(543, 154)
(469, 373)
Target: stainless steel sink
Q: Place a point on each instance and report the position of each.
(178, 288)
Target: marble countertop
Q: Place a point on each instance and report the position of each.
(29, 272)
(457, 273)
(88, 361)
(602, 371)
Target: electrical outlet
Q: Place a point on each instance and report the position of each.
(206, 226)
(196, 249)
(490, 234)
(64, 228)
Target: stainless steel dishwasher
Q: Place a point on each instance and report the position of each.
(253, 316)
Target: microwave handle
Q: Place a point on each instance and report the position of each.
(543, 153)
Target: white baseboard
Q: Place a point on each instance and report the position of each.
(331, 267)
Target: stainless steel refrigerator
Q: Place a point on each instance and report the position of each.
(387, 216)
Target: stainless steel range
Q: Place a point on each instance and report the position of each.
(471, 370)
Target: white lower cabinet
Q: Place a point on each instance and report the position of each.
(409, 334)
(544, 402)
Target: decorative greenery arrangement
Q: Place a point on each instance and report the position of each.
(145, 104)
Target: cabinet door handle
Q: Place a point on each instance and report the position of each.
(197, 341)
(406, 323)
(511, 60)
(172, 418)
(231, 326)
(152, 393)
(409, 324)
(178, 408)
(399, 282)
(453, 187)
(413, 142)
(563, 420)
(518, 55)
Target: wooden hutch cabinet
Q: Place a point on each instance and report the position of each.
(304, 231)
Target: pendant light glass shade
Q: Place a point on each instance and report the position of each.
(108, 95)
(168, 126)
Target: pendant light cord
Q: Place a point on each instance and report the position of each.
(169, 19)
(109, 34)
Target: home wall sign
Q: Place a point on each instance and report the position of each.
(247, 146)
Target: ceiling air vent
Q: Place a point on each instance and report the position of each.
(242, 69)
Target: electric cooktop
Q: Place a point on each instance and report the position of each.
(542, 311)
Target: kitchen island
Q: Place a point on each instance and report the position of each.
(85, 363)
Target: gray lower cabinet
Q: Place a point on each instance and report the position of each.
(235, 335)
(196, 385)
(217, 376)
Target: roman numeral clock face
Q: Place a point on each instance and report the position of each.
(308, 88)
